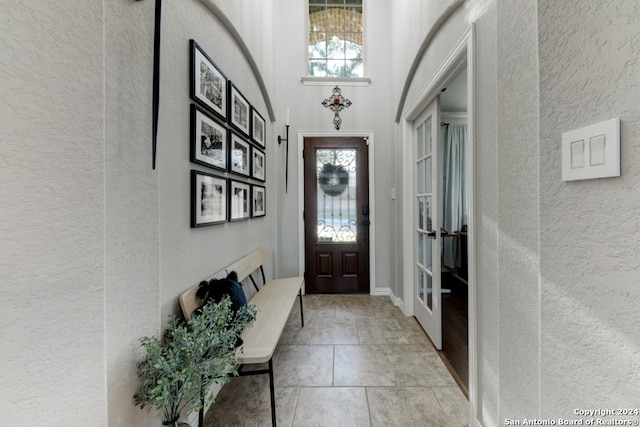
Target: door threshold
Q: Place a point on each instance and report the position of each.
(449, 366)
(454, 374)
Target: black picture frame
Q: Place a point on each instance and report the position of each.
(209, 140)
(258, 164)
(258, 128)
(239, 155)
(239, 110)
(208, 84)
(209, 199)
(258, 201)
(239, 203)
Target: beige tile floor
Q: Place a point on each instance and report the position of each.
(357, 362)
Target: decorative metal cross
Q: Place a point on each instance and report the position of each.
(336, 103)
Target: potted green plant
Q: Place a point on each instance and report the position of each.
(177, 371)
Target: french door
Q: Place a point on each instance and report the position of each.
(427, 297)
(336, 214)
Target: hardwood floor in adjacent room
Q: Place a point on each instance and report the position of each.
(455, 336)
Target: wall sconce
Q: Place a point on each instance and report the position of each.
(280, 139)
(156, 81)
(336, 103)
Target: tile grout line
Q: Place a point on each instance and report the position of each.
(439, 403)
(295, 407)
(366, 395)
(333, 368)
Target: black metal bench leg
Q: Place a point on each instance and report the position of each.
(201, 412)
(273, 394)
(301, 311)
(272, 389)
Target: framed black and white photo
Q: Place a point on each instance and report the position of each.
(258, 128)
(209, 140)
(208, 82)
(239, 150)
(208, 199)
(238, 110)
(258, 201)
(258, 164)
(239, 200)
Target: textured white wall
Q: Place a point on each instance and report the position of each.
(417, 18)
(96, 245)
(488, 329)
(411, 21)
(589, 232)
(518, 208)
(187, 255)
(131, 197)
(557, 266)
(52, 214)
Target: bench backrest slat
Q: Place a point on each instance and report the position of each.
(244, 267)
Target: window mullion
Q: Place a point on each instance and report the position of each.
(336, 42)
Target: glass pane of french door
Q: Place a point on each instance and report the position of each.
(427, 303)
(424, 197)
(336, 190)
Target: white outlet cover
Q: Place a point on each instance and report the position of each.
(600, 157)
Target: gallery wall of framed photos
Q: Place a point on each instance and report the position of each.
(228, 136)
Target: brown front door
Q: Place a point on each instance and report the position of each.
(336, 213)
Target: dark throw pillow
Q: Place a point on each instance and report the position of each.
(216, 289)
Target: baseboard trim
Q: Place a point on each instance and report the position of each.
(378, 292)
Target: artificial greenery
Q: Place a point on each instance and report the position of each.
(177, 372)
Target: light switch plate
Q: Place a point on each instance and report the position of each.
(592, 151)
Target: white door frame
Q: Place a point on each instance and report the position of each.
(368, 135)
(461, 55)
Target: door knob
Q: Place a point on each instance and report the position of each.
(431, 234)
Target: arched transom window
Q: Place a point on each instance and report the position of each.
(335, 38)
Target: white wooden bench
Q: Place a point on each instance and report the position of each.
(273, 300)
